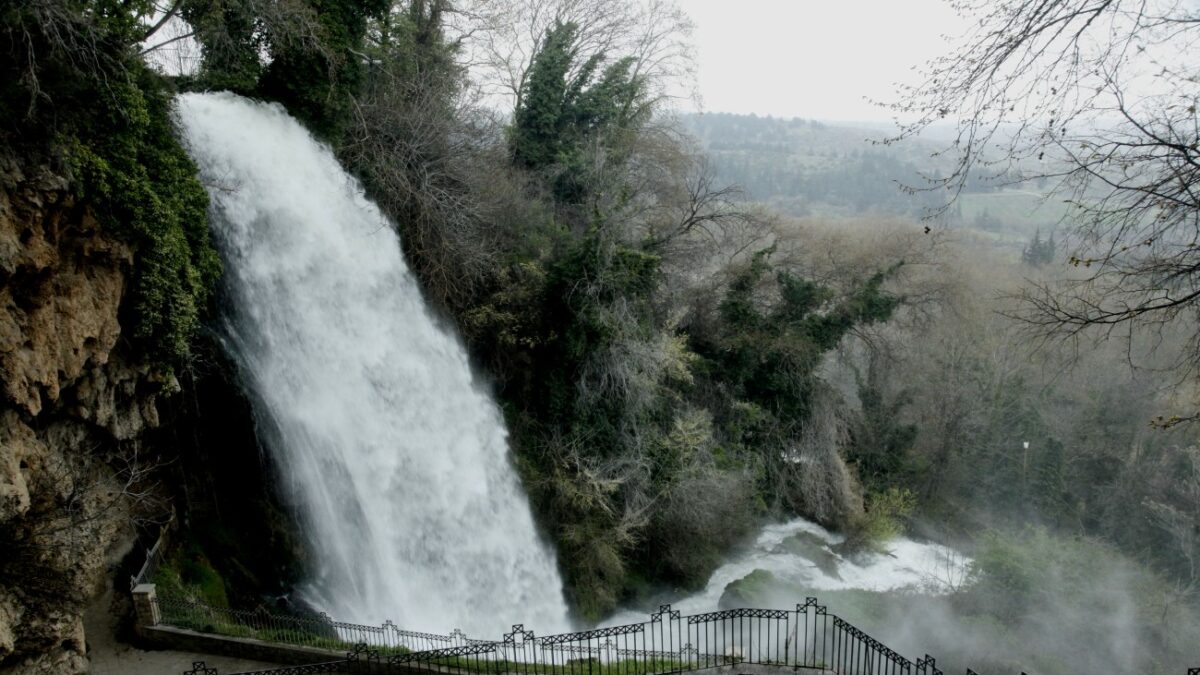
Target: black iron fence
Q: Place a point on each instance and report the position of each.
(742, 641)
(806, 638)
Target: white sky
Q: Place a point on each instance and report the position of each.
(815, 59)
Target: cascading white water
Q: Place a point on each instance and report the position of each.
(800, 554)
(395, 457)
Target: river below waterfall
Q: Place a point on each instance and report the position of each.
(800, 557)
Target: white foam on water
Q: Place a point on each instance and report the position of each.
(907, 564)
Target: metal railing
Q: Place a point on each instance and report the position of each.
(150, 566)
(754, 641)
(806, 638)
(312, 630)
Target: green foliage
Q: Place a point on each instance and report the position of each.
(232, 39)
(541, 122)
(411, 40)
(689, 434)
(503, 319)
(768, 349)
(1013, 571)
(1056, 590)
(143, 187)
(111, 126)
(882, 521)
(757, 589)
(57, 58)
(882, 440)
(316, 85)
(563, 108)
(575, 315)
(573, 329)
(188, 574)
(313, 48)
(1040, 251)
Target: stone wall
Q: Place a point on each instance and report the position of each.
(179, 639)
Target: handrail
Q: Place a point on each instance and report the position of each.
(150, 565)
(808, 638)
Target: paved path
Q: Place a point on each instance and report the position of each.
(110, 657)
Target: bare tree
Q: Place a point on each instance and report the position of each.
(41, 32)
(500, 40)
(415, 147)
(1100, 96)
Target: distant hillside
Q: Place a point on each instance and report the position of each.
(806, 167)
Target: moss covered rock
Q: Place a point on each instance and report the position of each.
(811, 547)
(753, 590)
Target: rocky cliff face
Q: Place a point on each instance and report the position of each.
(73, 408)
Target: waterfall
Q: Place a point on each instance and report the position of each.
(394, 456)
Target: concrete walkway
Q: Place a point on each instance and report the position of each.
(110, 657)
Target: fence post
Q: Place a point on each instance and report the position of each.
(145, 606)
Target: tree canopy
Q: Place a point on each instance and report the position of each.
(1099, 96)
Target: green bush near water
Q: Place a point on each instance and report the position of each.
(882, 521)
(187, 574)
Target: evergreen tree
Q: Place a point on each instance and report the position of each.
(1039, 252)
(565, 108)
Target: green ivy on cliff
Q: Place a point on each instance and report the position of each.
(75, 90)
(144, 188)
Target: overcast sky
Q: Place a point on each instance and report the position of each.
(816, 59)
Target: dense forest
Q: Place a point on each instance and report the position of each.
(692, 324)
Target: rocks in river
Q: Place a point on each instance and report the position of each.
(762, 588)
(753, 590)
(811, 547)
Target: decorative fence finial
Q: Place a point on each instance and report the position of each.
(518, 629)
(664, 610)
(928, 666)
